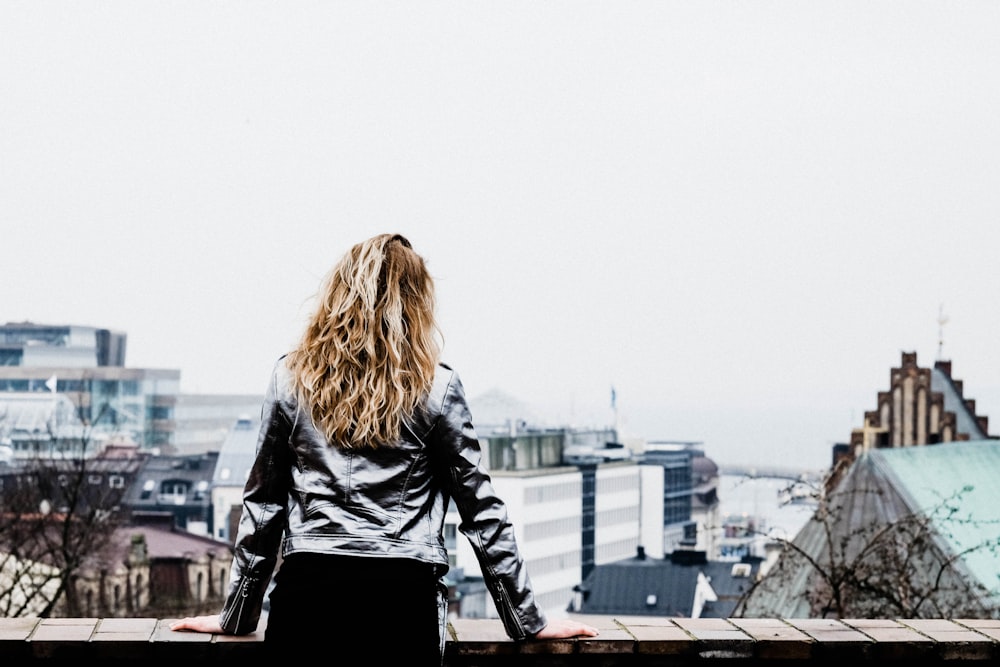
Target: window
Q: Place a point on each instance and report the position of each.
(450, 534)
(116, 482)
(137, 602)
(173, 491)
(160, 412)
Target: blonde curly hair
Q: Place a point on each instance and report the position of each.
(367, 357)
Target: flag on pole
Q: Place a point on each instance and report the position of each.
(51, 383)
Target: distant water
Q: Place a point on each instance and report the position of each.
(760, 498)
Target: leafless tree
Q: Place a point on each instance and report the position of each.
(863, 554)
(57, 512)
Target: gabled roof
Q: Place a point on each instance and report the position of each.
(642, 586)
(966, 420)
(161, 544)
(236, 456)
(886, 486)
(730, 581)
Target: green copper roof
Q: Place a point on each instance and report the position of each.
(965, 474)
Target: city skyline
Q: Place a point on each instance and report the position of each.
(737, 216)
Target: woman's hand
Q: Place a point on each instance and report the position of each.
(561, 628)
(198, 624)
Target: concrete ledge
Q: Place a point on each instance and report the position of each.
(623, 641)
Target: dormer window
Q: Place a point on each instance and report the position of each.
(173, 492)
(741, 570)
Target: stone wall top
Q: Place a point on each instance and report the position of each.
(622, 641)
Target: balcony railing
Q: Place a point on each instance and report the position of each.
(638, 641)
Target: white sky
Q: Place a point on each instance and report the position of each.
(737, 213)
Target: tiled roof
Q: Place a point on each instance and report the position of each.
(161, 543)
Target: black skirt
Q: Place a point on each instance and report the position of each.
(348, 607)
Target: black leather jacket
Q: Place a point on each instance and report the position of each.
(304, 495)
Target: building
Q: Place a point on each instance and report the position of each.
(67, 485)
(86, 365)
(231, 472)
(27, 344)
(204, 421)
(579, 500)
(66, 388)
(567, 520)
(680, 501)
(122, 520)
(178, 488)
(106, 402)
(141, 571)
(908, 532)
(903, 517)
(706, 509)
(188, 574)
(922, 406)
(671, 487)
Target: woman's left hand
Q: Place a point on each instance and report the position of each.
(198, 624)
(561, 628)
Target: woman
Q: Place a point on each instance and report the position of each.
(365, 439)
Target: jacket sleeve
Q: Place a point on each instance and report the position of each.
(484, 517)
(262, 521)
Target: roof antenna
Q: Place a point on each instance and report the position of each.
(942, 320)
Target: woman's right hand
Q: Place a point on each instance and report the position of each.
(198, 624)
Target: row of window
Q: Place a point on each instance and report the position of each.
(72, 385)
(168, 488)
(173, 490)
(29, 480)
(552, 492)
(618, 516)
(614, 551)
(553, 528)
(571, 525)
(556, 563)
(617, 483)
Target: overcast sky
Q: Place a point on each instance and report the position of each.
(738, 214)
